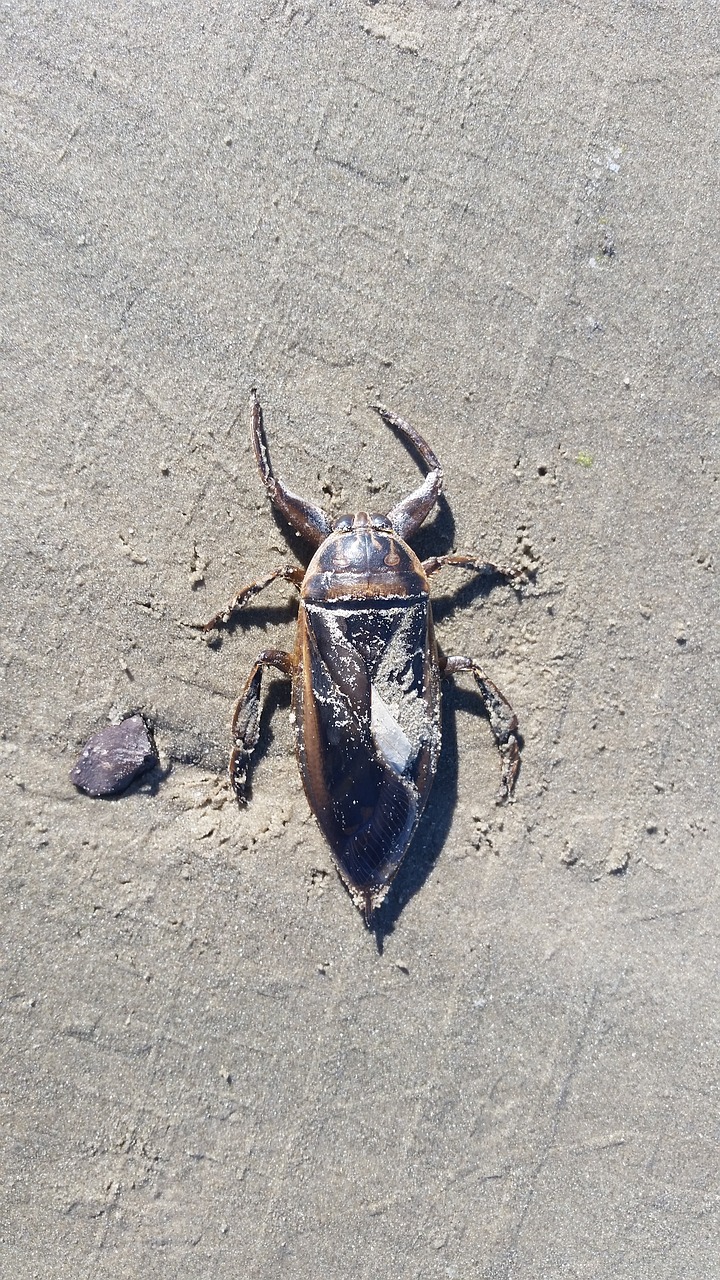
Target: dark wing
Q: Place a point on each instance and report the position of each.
(368, 731)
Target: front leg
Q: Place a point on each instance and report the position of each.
(503, 721)
(291, 573)
(409, 514)
(309, 521)
(246, 720)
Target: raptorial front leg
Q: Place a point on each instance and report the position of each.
(470, 562)
(246, 720)
(503, 721)
(309, 521)
(290, 573)
(407, 516)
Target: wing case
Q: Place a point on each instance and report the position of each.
(367, 722)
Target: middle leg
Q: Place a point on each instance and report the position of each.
(290, 573)
(469, 562)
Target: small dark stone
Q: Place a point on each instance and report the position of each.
(114, 757)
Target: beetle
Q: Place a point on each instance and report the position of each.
(366, 672)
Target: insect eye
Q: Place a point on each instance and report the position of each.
(379, 521)
(343, 523)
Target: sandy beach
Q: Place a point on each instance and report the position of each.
(500, 220)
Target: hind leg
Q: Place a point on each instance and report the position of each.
(503, 721)
(246, 720)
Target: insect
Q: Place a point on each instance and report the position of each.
(366, 672)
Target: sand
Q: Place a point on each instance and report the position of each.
(501, 220)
